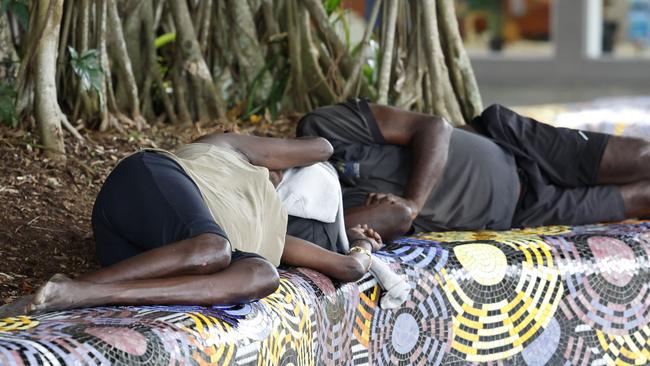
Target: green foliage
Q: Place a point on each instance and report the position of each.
(86, 66)
(343, 19)
(8, 105)
(273, 100)
(331, 5)
(19, 8)
(371, 67)
(165, 39)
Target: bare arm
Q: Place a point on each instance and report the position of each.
(345, 268)
(427, 137)
(274, 153)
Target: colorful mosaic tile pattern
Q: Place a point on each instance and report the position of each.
(555, 295)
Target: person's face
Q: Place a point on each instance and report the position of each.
(275, 176)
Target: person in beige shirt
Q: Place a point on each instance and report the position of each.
(200, 226)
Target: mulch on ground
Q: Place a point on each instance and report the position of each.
(45, 209)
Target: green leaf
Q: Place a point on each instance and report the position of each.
(165, 39)
(73, 53)
(8, 105)
(342, 17)
(88, 69)
(331, 5)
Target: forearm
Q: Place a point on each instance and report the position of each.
(429, 150)
(389, 220)
(345, 268)
(274, 153)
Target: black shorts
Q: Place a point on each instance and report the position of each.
(323, 234)
(558, 168)
(146, 202)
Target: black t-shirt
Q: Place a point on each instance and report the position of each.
(478, 188)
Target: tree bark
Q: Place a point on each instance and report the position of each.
(122, 64)
(443, 96)
(193, 64)
(412, 89)
(300, 100)
(458, 63)
(387, 54)
(248, 50)
(47, 112)
(339, 51)
(101, 10)
(311, 71)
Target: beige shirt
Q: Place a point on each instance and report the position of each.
(240, 197)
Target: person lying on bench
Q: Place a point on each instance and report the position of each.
(405, 172)
(201, 226)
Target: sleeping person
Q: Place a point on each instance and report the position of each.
(200, 226)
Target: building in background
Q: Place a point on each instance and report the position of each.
(548, 51)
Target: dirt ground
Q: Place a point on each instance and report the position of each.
(45, 209)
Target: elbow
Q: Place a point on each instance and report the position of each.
(262, 278)
(351, 271)
(325, 149)
(403, 219)
(269, 281)
(438, 125)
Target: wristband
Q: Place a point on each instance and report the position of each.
(366, 240)
(362, 251)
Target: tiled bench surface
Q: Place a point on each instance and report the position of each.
(553, 295)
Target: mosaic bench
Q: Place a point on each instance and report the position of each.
(555, 295)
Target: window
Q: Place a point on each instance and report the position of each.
(518, 28)
(626, 28)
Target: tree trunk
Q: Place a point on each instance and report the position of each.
(387, 55)
(443, 96)
(264, 52)
(100, 8)
(458, 63)
(248, 50)
(122, 64)
(193, 65)
(49, 116)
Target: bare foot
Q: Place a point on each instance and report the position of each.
(57, 294)
(17, 307)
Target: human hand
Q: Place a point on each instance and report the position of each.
(376, 198)
(364, 236)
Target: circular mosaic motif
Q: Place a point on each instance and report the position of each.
(503, 295)
(417, 333)
(606, 280)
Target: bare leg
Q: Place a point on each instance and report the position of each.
(243, 281)
(346, 268)
(202, 254)
(636, 197)
(388, 219)
(625, 160)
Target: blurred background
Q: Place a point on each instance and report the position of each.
(550, 51)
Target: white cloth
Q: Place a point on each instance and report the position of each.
(299, 196)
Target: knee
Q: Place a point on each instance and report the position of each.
(208, 253)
